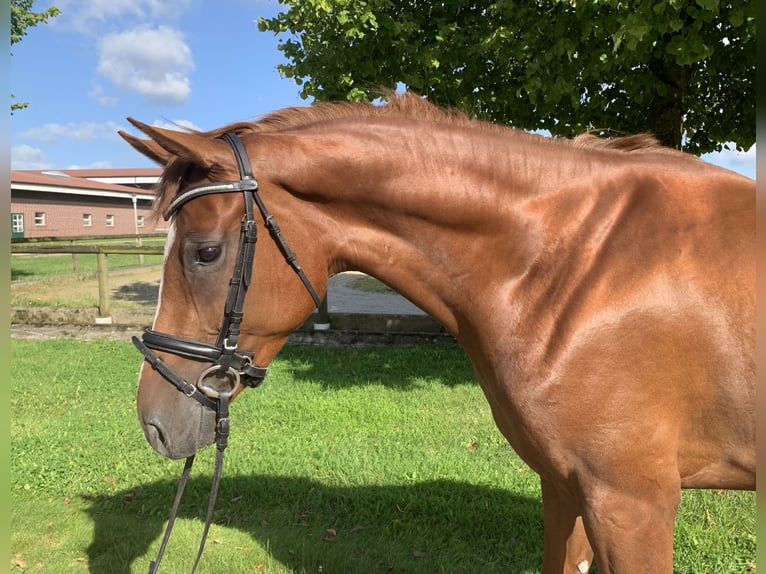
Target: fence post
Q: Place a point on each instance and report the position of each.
(140, 255)
(102, 266)
(323, 317)
(75, 262)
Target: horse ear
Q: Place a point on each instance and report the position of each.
(149, 148)
(166, 144)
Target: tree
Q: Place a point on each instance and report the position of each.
(22, 18)
(682, 69)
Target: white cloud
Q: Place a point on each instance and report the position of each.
(94, 165)
(739, 161)
(27, 157)
(98, 94)
(152, 62)
(740, 157)
(81, 131)
(90, 16)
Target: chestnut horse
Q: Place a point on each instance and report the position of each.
(604, 291)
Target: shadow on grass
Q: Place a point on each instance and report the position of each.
(138, 292)
(19, 274)
(437, 526)
(392, 367)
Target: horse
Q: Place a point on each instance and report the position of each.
(603, 289)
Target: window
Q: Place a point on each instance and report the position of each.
(39, 218)
(87, 219)
(139, 221)
(17, 223)
(110, 220)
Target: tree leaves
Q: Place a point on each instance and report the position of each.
(561, 65)
(22, 18)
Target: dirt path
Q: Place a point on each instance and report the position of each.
(79, 332)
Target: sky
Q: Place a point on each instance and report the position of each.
(193, 63)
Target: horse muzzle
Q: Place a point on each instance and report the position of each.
(180, 431)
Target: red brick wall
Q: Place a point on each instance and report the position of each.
(64, 215)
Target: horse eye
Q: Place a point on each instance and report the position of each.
(208, 254)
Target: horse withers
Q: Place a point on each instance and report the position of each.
(604, 291)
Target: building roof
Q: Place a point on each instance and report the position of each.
(114, 173)
(76, 182)
(136, 177)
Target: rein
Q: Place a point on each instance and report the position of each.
(228, 363)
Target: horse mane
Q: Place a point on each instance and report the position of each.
(412, 106)
(408, 106)
(642, 143)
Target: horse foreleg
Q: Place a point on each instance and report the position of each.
(566, 549)
(632, 533)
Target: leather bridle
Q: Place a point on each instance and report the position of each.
(229, 365)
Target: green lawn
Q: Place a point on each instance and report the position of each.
(50, 266)
(344, 461)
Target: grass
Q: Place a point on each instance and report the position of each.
(46, 267)
(51, 266)
(81, 291)
(49, 279)
(375, 460)
(370, 285)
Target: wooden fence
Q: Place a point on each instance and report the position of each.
(102, 263)
(102, 267)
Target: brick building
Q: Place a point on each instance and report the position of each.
(73, 203)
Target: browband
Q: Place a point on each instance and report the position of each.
(207, 189)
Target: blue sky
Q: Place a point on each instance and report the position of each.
(197, 63)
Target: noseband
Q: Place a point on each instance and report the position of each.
(227, 363)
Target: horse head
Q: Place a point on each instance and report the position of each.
(223, 312)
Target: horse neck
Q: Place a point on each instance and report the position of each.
(432, 212)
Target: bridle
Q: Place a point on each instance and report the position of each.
(225, 358)
(229, 365)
